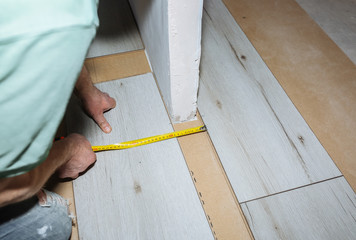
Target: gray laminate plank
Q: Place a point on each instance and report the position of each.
(263, 142)
(117, 32)
(138, 193)
(337, 19)
(322, 211)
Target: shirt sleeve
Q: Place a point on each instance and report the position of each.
(38, 70)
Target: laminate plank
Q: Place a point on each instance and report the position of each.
(117, 31)
(324, 211)
(138, 193)
(337, 19)
(315, 73)
(263, 142)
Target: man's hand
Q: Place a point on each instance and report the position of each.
(81, 156)
(69, 156)
(94, 102)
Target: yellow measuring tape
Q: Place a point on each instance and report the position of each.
(148, 140)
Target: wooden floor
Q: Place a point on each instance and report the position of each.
(264, 144)
(316, 75)
(260, 171)
(140, 193)
(272, 158)
(117, 32)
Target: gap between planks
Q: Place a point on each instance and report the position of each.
(221, 207)
(292, 189)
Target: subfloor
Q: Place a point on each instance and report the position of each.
(277, 96)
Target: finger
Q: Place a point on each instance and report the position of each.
(110, 102)
(102, 123)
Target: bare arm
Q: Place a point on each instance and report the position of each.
(69, 156)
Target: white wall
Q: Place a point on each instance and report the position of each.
(171, 32)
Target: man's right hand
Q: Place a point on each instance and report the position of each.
(81, 156)
(69, 156)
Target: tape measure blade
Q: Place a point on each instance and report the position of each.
(148, 140)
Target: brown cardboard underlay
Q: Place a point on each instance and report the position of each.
(315, 73)
(117, 66)
(220, 204)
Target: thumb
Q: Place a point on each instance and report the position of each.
(102, 123)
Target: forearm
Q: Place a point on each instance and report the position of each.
(84, 85)
(18, 188)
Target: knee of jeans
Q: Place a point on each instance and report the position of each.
(58, 224)
(48, 199)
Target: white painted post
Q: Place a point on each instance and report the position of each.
(171, 32)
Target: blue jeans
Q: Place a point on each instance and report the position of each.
(31, 219)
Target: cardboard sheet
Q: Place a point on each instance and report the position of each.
(116, 66)
(220, 204)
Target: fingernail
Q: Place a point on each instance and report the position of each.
(107, 129)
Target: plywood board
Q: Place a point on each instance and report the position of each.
(219, 202)
(117, 31)
(117, 66)
(139, 193)
(337, 19)
(325, 211)
(318, 77)
(263, 142)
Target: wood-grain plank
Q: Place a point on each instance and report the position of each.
(263, 142)
(139, 193)
(117, 31)
(219, 202)
(337, 19)
(324, 210)
(318, 77)
(117, 66)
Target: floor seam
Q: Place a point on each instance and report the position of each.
(292, 189)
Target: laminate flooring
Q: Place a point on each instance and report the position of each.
(320, 211)
(286, 183)
(117, 31)
(314, 72)
(337, 19)
(138, 193)
(263, 142)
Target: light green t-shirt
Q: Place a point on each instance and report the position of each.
(42, 48)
